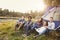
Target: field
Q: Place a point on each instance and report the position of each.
(7, 32)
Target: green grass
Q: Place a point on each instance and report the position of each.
(7, 32)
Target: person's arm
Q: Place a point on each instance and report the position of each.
(34, 25)
(25, 24)
(30, 24)
(18, 20)
(53, 26)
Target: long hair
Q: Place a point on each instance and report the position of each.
(46, 23)
(41, 20)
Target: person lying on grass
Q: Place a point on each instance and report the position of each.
(27, 26)
(37, 24)
(20, 23)
(42, 29)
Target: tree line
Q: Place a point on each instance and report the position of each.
(7, 13)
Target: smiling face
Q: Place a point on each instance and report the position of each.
(51, 19)
(23, 17)
(29, 18)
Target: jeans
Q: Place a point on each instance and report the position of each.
(27, 29)
(41, 31)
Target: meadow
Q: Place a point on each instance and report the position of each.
(7, 32)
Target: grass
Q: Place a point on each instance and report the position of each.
(7, 32)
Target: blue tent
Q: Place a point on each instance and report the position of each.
(55, 13)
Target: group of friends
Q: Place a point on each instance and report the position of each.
(40, 26)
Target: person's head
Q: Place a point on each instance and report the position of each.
(23, 17)
(29, 18)
(40, 20)
(51, 19)
(45, 23)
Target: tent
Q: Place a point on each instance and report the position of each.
(55, 13)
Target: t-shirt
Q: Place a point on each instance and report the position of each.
(51, 25)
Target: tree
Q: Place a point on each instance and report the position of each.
(0, 11)
(49, 2)
(5, 12)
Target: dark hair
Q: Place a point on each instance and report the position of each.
(41, 20)
(46, 23)
(51, 17)
(29, 17)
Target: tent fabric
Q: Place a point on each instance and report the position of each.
(53, 12)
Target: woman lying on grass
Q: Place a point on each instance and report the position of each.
(37, 24)
(42, 29)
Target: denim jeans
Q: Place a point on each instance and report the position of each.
(27, 29)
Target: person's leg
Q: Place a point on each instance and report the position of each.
(33, 27)
(20, 26)
(16, 27)
(26, 29)
(40, 33)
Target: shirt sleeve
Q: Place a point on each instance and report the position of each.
(30, 23)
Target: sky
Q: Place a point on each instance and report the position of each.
(23, 5)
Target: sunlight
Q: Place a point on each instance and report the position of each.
(23, 5)
(41, 6)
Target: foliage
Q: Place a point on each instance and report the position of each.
(7, 32)
(49, 2)
(7, 13)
